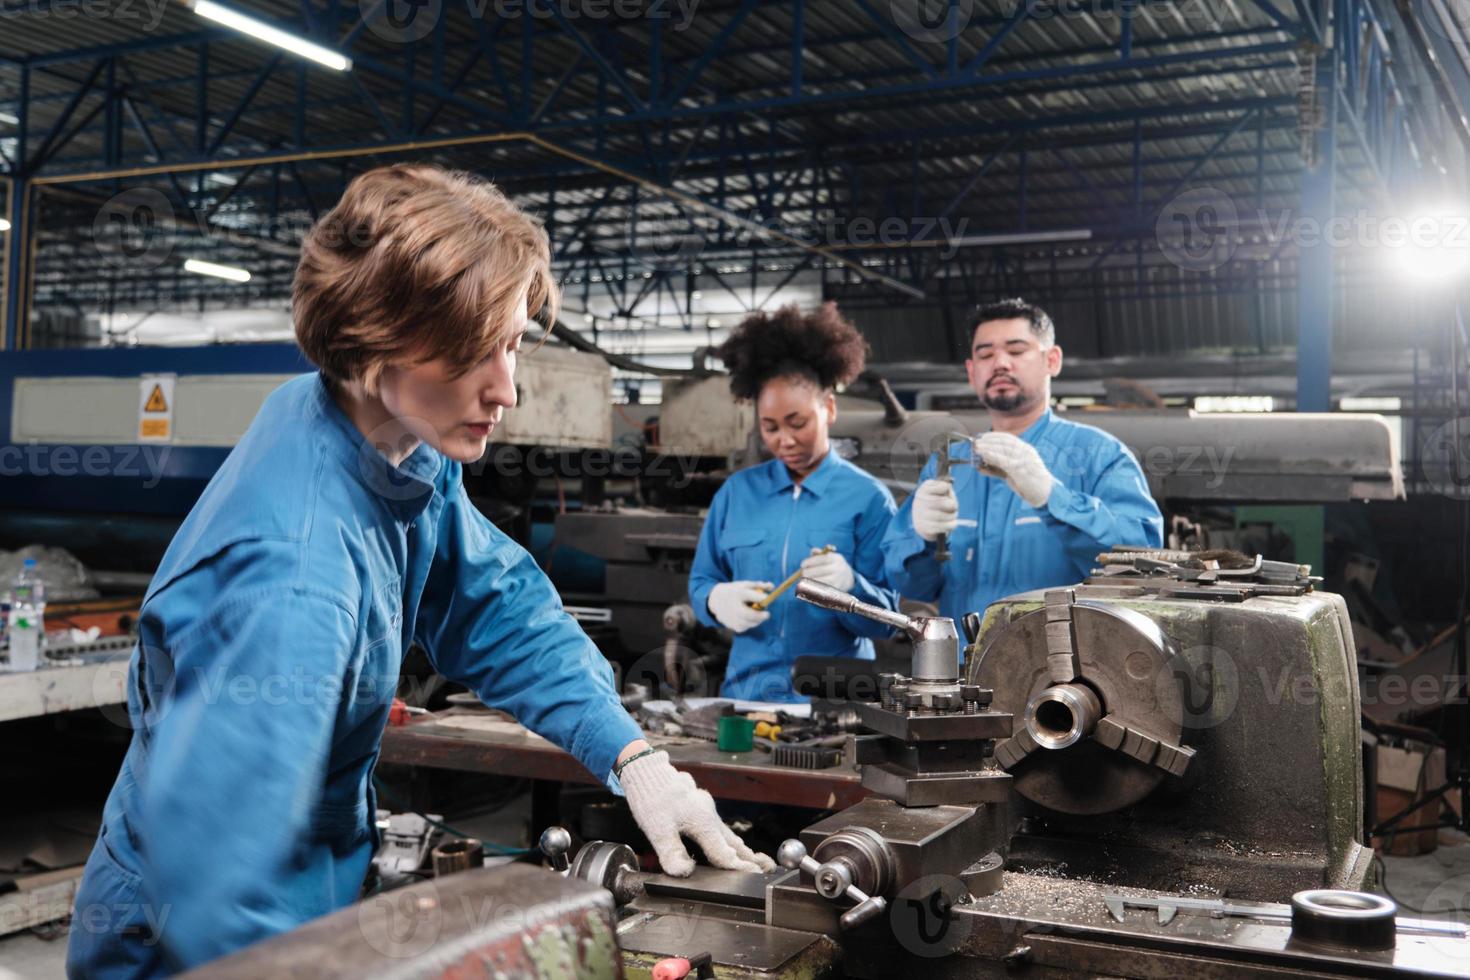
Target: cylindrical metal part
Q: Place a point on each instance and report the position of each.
(937, 652)
(611, 866)
(1344, 919)
(1062, 715)
(458, 855)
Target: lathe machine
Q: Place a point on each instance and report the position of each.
(1155, 773)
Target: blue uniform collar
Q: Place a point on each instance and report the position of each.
(1034, 431)
(406, 488)
(779, 477)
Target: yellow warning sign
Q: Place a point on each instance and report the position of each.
(157, 402)
(156, 408)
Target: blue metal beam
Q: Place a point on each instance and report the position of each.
(17, 254)
(1316, 287)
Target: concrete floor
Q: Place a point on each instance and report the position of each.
(1437, 883)
(1434, 885)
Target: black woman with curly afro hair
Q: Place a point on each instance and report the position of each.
(807, 508)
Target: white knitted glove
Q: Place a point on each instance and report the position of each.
(666, 803)
(936, 509)
(829, 568)
(1016, 461)
(729, 603)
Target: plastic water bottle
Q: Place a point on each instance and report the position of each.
(27, 618)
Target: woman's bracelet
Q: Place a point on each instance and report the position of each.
(618, 769)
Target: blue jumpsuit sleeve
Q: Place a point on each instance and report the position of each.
(710, 567)
(491, 619)
(908, 559)
(1120, 510)
(870, 579)
(239, 759)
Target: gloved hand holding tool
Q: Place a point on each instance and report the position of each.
(826, 565)
(733, 604)
(936, 509)
(1010, 458)
(765, 601)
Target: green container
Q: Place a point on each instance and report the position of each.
(736, 734)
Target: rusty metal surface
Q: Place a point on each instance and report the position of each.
(516, 921)
(728, 776)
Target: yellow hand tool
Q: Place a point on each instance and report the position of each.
(790, 581)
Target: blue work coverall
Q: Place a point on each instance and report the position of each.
(761, 525)
(1100, 499)
(270, 642)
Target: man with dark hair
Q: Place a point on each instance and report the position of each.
(1044, 496)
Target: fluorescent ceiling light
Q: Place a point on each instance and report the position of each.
(1370, 403)
(271, 35)
(4, 225)
(9, 118)
(220, 271)
(1024, 237)
(1234, 403)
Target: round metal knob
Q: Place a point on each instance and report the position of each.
(555, 843)
(790, 854)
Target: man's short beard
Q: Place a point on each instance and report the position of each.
(1006, 403)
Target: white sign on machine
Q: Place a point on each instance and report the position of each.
(156, 408)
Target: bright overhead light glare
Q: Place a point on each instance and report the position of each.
(9, 118)
(219, 271)
(4, 225)
(260, 30)
(1434, 245)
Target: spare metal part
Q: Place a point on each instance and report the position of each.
(458, 855)
(1344, 919)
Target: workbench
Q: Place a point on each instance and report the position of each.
(472, 740)
(51, 690)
